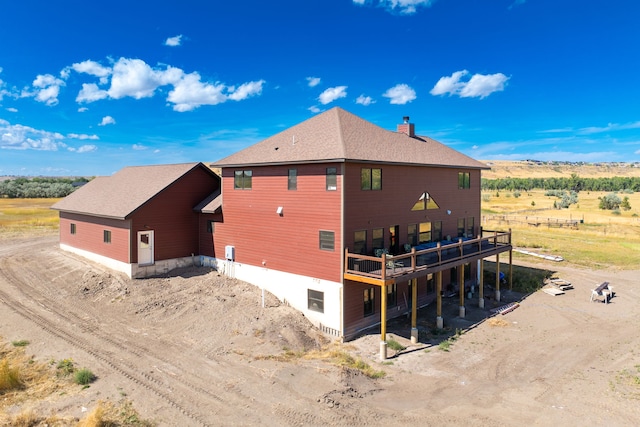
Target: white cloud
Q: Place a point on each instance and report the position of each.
(47, 89)
(21, 137)
(400, 94)
(136, 79)
(313, 81)
(610, 127)
(85, 149)
(332, 94)
(82, 109)
(107, 120)
(365, 100)
(314, 109)
(81, 136)
(94, 69)
(403, 7)
(90, 92)
(139, 147)
(246, 90)
(478, 86)
(190, 93)
(173, 41)
(12, 109)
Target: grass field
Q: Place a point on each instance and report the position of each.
(602, 238)
(27, 215)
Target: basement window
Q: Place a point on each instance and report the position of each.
(315, 300)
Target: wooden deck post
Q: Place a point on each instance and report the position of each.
(383, 322)
(414, 311)
(498, 277)
(461, 311)
(481, 285)
(510, 270)
(439, 323)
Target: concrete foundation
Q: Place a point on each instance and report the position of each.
(414, 335)
(497, 295)
(462, 311)
(439, 322)
(383, 350)
(481, 303)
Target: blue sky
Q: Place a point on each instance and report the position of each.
(87, 88)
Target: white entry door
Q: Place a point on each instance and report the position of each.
(145, 247)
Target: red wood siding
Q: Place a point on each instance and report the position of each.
(206, 243)
(289, 242)
(171, 216)
(401, 188)
(89, 235)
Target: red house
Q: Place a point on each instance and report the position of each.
(141, 220)
(349, 222)
(345, 221)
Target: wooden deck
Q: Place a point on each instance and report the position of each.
(424, 259)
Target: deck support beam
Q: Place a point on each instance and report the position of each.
(439, 323)
(481, 285)
(414, 311)
(461, 311)
(498, 277)
(383, 322)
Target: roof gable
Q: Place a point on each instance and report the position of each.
(337, 135)
(119, 195)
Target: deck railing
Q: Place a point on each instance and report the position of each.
(427, 256)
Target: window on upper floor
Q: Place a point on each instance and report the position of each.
(425, 202)
(436, 231)
(292, 183)
(461, 227)
(377, 238)
(360, 242)
(332, 179)
(315, 300)
(371, 179)
(242, 180)
(327, 240)
(470, 227)
(424, 235)
(412, 234)
(464, 180)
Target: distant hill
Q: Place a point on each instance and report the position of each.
(538, 169)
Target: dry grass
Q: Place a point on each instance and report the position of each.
(602, 239)
(34, 216)
(497, 321)
(523, 169)
(24, 381)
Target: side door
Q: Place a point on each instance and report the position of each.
(145, 247)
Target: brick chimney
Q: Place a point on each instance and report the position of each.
(406, 127)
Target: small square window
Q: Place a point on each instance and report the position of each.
(315, 300)
(327, 240)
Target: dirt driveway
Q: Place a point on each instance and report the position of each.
(193, 349)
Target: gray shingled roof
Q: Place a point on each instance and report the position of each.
(337, 135)
(119, 195)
